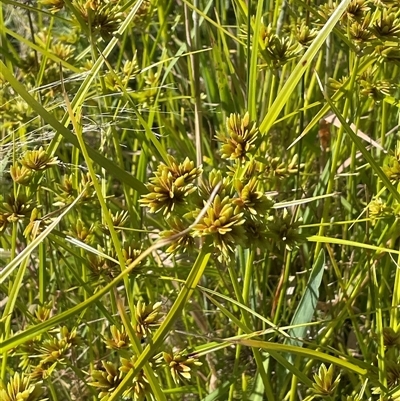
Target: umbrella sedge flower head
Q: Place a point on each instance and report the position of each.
(19, 388)
(38, 160)
(183, 242)
(240, 137)
(391, 338)
(223, 222)
(360, 32)
(377, 90)
(131, 251)
(57, 348)
(82, 232)
(139, 387)
(119, 220)
(283, 229)
(387, 26)
(393, 374)
(21, 174)
(216, 177)
(106, 379)
(54, 5)
(325, 384)
(252, 198)
(180, 364)
(379, 209)
(102, 16)
(119, 338)
(280, 51)
(17, 208)
(256, 232)
(146, 316)
(170, 186)
(391, 166)
(3, 221)
(305, 35)
(357, 9)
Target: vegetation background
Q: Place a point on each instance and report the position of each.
(199, 200)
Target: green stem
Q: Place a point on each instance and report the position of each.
(248, 276)
(6, 333)
(243, 298)
(184, 295)
(335, 158)
(282, 294)
(384, 119)
(377, 293)
(395, 299)
(272, 87)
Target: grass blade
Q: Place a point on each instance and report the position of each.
(301, 67)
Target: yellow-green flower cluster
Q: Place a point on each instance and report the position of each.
(20, 388)
(239, 212)
(240, 137)
(170, 186)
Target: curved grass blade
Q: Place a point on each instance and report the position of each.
(41, 50)
(331, 240)
(105, 163)
(302, 201)
(308, 353)
(28, 250)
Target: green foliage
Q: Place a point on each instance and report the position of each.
(199, 200)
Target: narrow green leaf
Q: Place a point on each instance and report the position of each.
(28, 250)
(331, 240)
(220, 393)
(291, 368)
(302, 201)
(308, 353)
(301, 67)
(308, 302)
